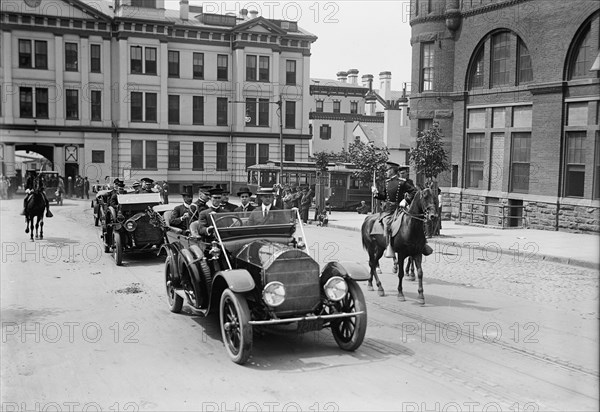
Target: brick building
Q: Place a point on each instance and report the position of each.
(513, 87)
(129, 88)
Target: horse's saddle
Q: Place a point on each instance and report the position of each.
(396, 222)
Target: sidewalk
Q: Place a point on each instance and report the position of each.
(526, 244)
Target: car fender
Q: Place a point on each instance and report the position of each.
(352, 270)
(238, 280)
(187, 259)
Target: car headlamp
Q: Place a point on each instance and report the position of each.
(274, 294)
(130, 225)
(335, 288)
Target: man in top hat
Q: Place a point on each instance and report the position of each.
(137, 187)
(261, 215)
(118, 189)
(244, 194)
(225, 204)
(205, 227)
(395, 191)
(147, 185)
(183, 214)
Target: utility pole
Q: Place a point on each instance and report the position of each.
(280, 104)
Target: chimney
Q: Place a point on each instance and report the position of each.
(184, 9)
(367, 80)
(244, 14)
(385, 85)
(341, 76)
(253, 14)
(353, 76)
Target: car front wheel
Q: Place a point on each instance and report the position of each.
(349, 333)
(118, 249)
(175, 301)
(235, 328)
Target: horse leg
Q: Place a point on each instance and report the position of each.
(26, 225)
(37, 225)
(418, 259)
(374, 256)
(42, 228)
(401, 297)
(410, 268)
(380, 290)
(395, 263)
(31, 225)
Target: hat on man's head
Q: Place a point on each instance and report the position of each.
(119, 182)
(244, 189)
(187, 191)
(136, 184)
(265, 191)
(147, 180)
(392, 164)
(403, 167)
(216, 191)
(223, 188)
(205, 189)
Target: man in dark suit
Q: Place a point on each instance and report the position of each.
(205, 224)
(244, 194)
(182, 214)
(118, 189)
(225, 204)
(147, 185)
(262, 215)
(394, 192)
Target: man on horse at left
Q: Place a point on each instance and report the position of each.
(29, 189)
(398, 192)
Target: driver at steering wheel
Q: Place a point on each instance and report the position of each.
(184, 214)
(205, 227)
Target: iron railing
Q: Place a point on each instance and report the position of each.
(510, 216)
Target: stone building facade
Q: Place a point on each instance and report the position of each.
(513, 87)
(129, 88)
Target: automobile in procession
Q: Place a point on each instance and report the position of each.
(255, 272)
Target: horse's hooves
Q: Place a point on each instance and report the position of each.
(412, 278)
(381, 292)
(421, 302)
(27, 230)
(370, 287)
(401, 298)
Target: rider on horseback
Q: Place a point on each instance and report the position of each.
(29, 189)
(398, 192)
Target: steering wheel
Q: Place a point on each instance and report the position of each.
(236, 221)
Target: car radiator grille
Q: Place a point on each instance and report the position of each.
(300, 278)
(146, 233)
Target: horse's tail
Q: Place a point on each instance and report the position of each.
(365, 231)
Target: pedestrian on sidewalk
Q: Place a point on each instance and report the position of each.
(86, 188)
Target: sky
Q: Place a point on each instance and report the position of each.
(371, 36)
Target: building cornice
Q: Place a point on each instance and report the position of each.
(352, 117)
(468, 13)
(58, 31)
(337, 91)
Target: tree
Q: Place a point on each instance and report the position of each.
(368, 159)
(322, 160)
(429, 157)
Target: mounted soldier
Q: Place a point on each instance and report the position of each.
(30, 187)
(397, 192)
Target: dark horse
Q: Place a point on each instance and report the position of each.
(408, 242)
(35, 209)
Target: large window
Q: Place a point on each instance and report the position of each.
(319, 107)
(290, 153)
(263, 153)
(575, 167)
(143, 107)
(290, 115)
(198, 65)
(26, 102)
(250, 154)
(198, 110)
(336, 106)
(95, 58)
(173, 62)
(221, 156)
(524, 70)
(290, 72)
(147, 65)
(250, 68)
(583, 56)
(71, 57)
(198, 156)
(475, 159)
(96, 105)
(263, 69)
(519, 162)
(354, 107)
(222, 67)
(173, 156)
(221, 111)
(25, 54)
(143, 159)
(97, 156)
(325, 132)
(41, 103)
(173, 109)
(72, 104)
(476, 71)
(426, 66)
(26, 106)
(500, 59)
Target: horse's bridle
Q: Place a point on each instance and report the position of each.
(420, 214)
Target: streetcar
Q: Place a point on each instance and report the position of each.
(342, 189)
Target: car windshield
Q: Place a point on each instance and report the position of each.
(274, 222)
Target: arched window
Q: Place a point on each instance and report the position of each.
(582, 57)
(524, 70)
(500, 59)
(476, 70)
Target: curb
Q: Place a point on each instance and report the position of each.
(539, 256)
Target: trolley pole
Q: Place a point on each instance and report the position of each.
(280, 104)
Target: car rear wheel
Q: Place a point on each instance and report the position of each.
(175, 301)
(118, 249)
(349, 333)
(235, 328)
